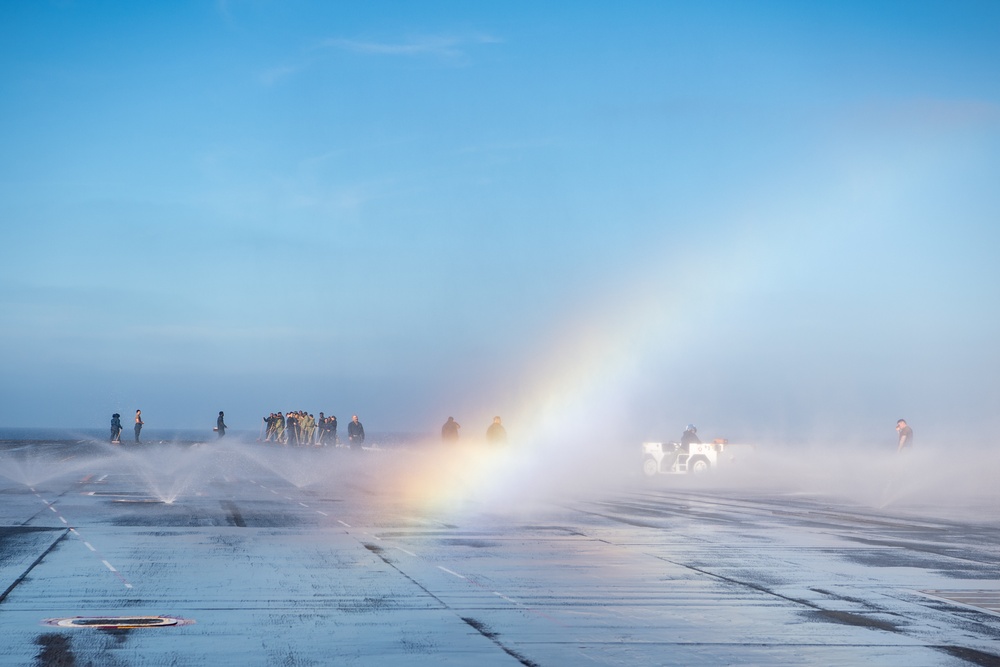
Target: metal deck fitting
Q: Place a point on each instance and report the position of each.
(116, 622)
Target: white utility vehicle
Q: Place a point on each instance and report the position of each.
(673, 458)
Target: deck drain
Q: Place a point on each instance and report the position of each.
(117, 622)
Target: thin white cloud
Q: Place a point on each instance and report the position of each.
(215, 332)
(273, 75)
(223, 7)
(440, 46)
(940, 113)
(507, 147)
(445, 47)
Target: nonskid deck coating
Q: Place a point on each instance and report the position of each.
(332, 557)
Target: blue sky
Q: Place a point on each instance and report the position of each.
(774, 219)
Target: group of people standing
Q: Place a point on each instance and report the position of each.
(298, 427)
(496, 434)
(116, 427)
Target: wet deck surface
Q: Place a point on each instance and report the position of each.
(273, 556)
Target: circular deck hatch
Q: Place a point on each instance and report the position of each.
(117, 622)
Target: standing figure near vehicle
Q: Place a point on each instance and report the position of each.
(220, 424)
(355, 433)
(449, 432)
(496, 434)
(905, 436)
(690, 436)
(138, 424)
(116, 429)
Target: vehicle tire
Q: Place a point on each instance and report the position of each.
(650, 467)
(698, 465)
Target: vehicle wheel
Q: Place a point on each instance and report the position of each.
(698, 465)
(650, 467)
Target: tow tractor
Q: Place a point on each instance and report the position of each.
(673, 458)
